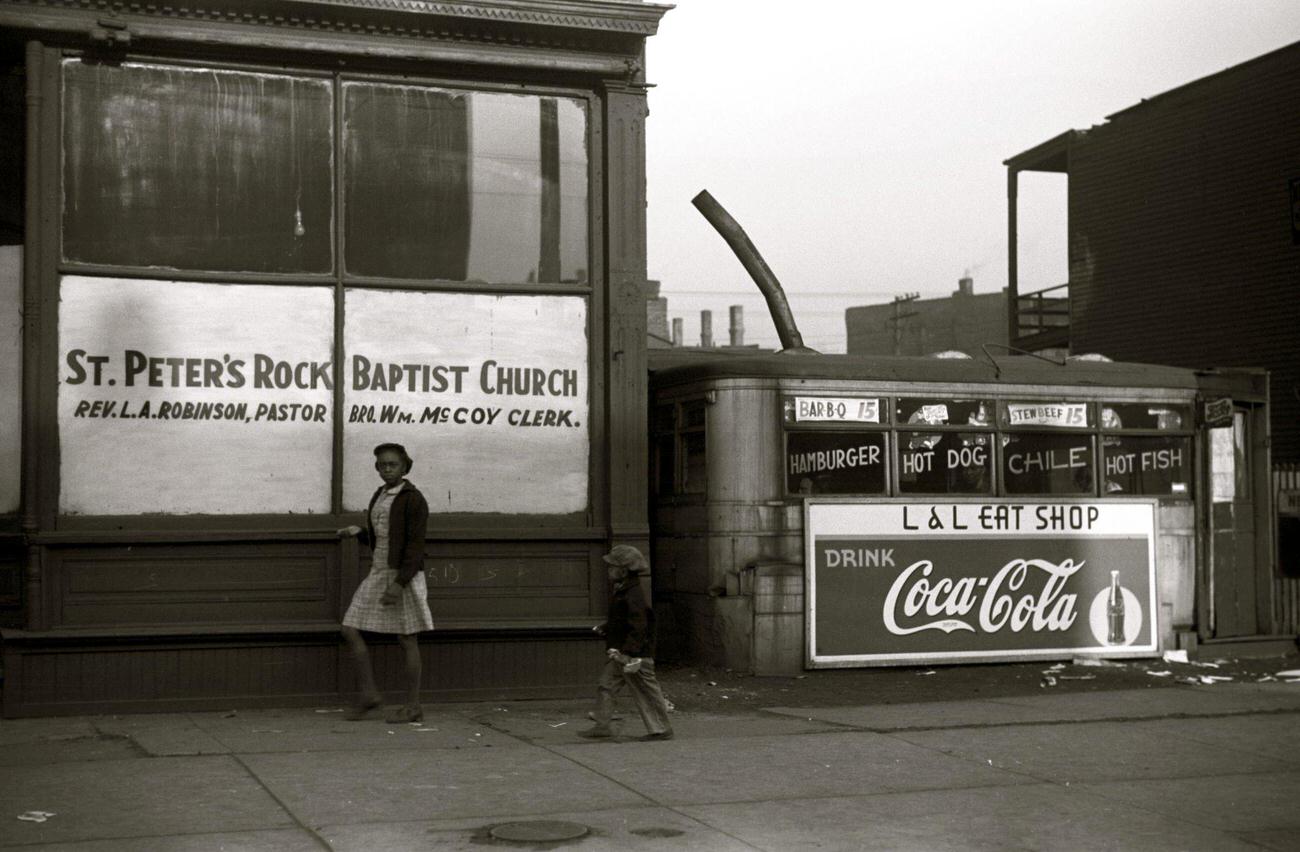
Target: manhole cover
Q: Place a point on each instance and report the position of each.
(539, 831)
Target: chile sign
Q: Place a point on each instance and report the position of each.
(894, 583)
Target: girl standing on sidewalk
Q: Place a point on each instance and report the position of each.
(394, 597)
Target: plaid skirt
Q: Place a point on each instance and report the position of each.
(409, 615)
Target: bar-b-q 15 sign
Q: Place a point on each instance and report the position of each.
(893, 583)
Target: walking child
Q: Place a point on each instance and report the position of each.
(629, 634)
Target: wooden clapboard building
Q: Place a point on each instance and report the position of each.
(243, 243)
(1184, 249)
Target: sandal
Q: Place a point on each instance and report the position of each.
(406, 715)
(362, 709)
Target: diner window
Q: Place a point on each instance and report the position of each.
(1147, 465)
(464, 186)
(1047, 463)
(693, 447)
(835, 462)
(663, 428)
(1139, 457)
(945, 462)
(197, 168)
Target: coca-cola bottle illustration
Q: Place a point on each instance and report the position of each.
(1115, 612)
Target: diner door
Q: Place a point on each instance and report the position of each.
(1238, 569)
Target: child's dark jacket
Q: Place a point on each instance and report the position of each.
(630, 627)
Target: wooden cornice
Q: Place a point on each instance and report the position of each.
(596, 36)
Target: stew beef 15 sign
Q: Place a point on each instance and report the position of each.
(973, 581)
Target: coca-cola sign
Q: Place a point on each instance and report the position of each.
(971, 581)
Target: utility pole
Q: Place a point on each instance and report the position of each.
(899, 316)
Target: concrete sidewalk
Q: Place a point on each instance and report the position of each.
(1176, 768)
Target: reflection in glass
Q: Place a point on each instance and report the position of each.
(465, 186)
(197, 168)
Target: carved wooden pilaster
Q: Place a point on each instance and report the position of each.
(625, 199)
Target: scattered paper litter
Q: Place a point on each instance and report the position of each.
(425, 730)
(1079, 677)
(930, 672)
(559, 725)
(1214, 678)
(1095, 661)
(1266, 679)
(1289, 673)
(330, 710)
(1179, 656)
(1056, 668)
(35, 816)
(1047, 681)
(1159, 674)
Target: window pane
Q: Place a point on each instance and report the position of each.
(693, 478)
(464, 186)
(181, 397)
(664, 418)
(1047, 463)
(973, 412)
(195, 168)
(1170, 418)
(693, 415)
(665, 460)
(835, 462)
(945, 463)
(1143, 465)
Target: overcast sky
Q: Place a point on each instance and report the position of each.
(860, 144)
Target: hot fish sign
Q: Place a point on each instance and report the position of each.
(952, 582)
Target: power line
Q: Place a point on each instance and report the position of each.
(845, 294)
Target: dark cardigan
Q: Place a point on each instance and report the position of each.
(408, 523)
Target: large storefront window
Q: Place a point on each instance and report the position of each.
(190, 168)
(181, 397)
(488, 393)
(214, 396)
(464, 186)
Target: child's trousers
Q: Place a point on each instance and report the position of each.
(643, 685)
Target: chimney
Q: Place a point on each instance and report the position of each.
(677, 331)
(706, 329)
(965, 286)
(737, 330)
